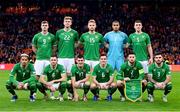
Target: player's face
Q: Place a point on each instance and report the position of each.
(80, 62)
(44, 26)
(158, 59)
(131, 58)
(103, 60)
(91, 26)
(115, 26)
(53, 61)
(24, 61)
(138, 26)
(67, 23)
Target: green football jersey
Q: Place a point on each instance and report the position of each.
(78, 73)
(103, 74)
(91, 44)
(133, 72)
(139, 44)
(66, 42)
(159, 73)
(44, 45)
(22, 74)
(53, 74)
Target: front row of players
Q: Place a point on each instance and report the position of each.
(54, 78)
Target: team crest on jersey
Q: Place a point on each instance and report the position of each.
(154, 70)
(49, 38)
(53, 75)
(99, 71)
(71, 34)
(163, 70)
(57, 71)
(19, 70)
(107, 71)
(96, 36)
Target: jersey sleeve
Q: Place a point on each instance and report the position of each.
(45, 71)
(106, 37)
(125, 39)
(54, 43)
(141, 72)
(12, 74)
(111, 71)
(76, 36)
(62, 70)
(148, 41)
(129, 40)
(81, 38)
(120, 74)
(34, 41)
(168, 72)
(101, 38)
(73, 71)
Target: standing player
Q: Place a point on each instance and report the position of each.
(141, 45)
(103, 79)
(115, 41)
(25, 78)
(43, 45)
(56, 79)
(159, 77)
(91, 41)
(80, 77)
(66, 38)
(131, 69)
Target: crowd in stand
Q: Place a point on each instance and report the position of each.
(161, 23)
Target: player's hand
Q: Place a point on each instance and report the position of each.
(150, 61)
(163, 85)
(127, 78)
(25, 86)
(20, 85)
(49, 84)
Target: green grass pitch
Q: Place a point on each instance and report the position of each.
(23, 103)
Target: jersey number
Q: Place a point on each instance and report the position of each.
(44, 41)
(92, 40)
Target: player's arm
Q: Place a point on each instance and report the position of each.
(42, 80)
(129, 41)
(32, 78)
(54, 45)
(125, 41)
(141, 72)
(106, 40)
(85, 79)
(150, 75)
(111, 74)
(168, 76)
(34, 44)
(150, 51)
(95, 81)
(63, 78)
(110, 80)
(73, 80)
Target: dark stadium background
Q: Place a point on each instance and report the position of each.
(20, 20)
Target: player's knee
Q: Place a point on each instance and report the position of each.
(87, 83)
(150, 86)
(120, 83)
(113, 85)
(144, 82)
(93, 86)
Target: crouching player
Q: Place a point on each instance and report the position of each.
(25, 78)
(103, 79)
(80, 74)
(56, 79)
(131, 69)
(159, 78)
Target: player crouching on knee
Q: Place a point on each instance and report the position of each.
(159, 78)
(25, 78)
(103, 79)
(131, 69)
(80, 75)
(56, 79)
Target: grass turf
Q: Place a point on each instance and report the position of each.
(23, 103)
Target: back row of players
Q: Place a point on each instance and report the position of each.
(45, 45)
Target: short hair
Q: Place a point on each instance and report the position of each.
(80, 56)
(44, 22)
(138, 21)
(68, 18)
(54, 55)
(103, 54)
(91, 21)
(158, 53)
(115, 21)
